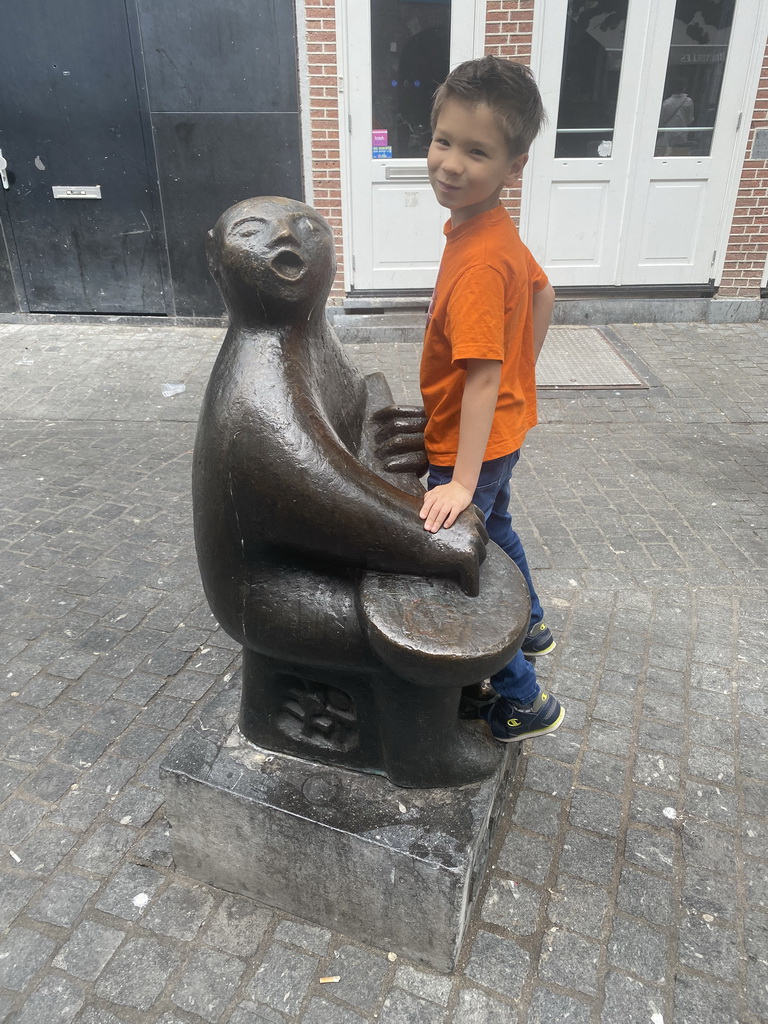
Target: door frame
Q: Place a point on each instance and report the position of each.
(737, 150)
(747, 109)
(473, 15)
(153, 182)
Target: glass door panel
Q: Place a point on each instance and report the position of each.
(592, 59)
(410, 57)
(694, 78)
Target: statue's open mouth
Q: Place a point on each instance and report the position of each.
(289, 265)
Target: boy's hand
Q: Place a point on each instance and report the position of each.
(443, 504)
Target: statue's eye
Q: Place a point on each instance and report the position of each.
(304, 225)
(249, 226)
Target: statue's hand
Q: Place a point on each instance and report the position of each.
(464, 545)
(400, 416)
(400, 439)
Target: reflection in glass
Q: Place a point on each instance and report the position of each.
(694, 78)
(594, 47)
(410, 47)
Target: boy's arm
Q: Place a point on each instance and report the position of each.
(481, 391)
(543, 304)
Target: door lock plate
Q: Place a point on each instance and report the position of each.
(76, 191)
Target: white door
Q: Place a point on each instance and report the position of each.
(397, 52)
(631, 184)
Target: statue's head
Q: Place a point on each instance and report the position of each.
(272, 258)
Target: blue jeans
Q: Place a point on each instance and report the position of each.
(517, 680)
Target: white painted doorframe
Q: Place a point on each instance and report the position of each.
(392, 222)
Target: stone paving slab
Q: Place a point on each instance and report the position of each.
(630, 882)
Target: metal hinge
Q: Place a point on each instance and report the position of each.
(714, 257)
(738, 123)
(349, 123)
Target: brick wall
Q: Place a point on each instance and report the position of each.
(748, 243)
(322, 67)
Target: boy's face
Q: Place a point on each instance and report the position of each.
(468, 160)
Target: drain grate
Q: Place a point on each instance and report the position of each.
(582, 357)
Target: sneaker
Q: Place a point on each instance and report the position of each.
(474, 698)
(538, 641)
(510, 723)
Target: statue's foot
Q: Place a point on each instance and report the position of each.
(462, 756)
(475, 755)
(474, 698)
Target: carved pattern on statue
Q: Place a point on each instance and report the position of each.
(319, 714)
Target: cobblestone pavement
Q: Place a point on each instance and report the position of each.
(630, 881)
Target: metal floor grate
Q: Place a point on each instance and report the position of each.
(582, 357)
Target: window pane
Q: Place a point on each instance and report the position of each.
(694, 78)
(594, 47)
(410, 49)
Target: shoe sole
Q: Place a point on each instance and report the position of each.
(534, 732)
(537, 654)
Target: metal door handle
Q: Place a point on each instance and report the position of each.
(3, 175)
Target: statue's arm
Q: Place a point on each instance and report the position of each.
(301, 490)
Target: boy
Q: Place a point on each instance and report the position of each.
(489, 314)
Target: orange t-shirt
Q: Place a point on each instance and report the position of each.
(481, 309)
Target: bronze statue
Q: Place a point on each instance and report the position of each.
(359, 628)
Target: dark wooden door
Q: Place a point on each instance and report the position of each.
(70, 118)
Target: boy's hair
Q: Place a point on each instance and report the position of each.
(507, 87)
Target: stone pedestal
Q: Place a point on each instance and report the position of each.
(394, 868)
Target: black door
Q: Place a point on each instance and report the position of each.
(69, 119)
